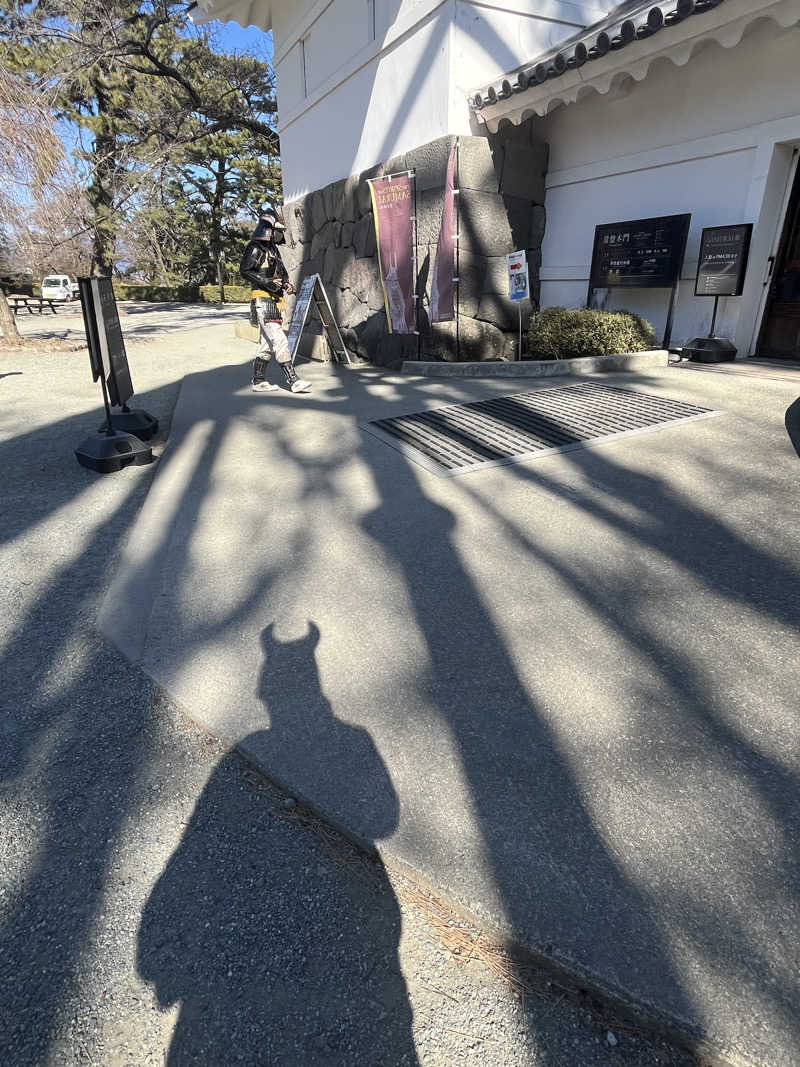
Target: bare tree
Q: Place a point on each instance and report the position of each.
(31, 154)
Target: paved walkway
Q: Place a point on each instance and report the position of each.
(580, 673)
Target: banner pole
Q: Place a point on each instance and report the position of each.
(457, 183)
(413, 176)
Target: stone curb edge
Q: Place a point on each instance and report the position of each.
(546, 368)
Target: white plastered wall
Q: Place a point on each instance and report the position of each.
(366, 98)
(714, 138)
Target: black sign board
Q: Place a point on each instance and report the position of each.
(644, 254)
(104, 337)
(312, 289)
(723, 260)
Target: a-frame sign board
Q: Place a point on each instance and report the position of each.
(312, 289)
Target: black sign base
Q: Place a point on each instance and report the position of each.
(106, 453)
(709, 350)
(135, 421)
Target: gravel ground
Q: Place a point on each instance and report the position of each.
(159, 901)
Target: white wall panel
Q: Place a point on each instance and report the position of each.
(696, 139)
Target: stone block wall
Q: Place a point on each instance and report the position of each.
(330, 232)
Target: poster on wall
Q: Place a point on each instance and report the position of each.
(444, 265)
(393, 210)
(722, 263)
(643, 254)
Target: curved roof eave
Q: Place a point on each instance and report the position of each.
(246, 12)
(565, 80)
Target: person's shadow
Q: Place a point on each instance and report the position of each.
(276, 952)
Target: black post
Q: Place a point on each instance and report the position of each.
(417, 301)
(670, 315)
(714, 316)
(109, 428)
(458, 255)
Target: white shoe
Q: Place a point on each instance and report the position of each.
(300, 386)
(264, 387)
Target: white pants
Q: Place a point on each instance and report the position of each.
(271, 339)
(271, 342)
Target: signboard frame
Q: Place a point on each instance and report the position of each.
(310, 289)
(653, 239)
(739, 256)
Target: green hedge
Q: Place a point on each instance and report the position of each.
(158, 294)
(557, 333)
(234, 294)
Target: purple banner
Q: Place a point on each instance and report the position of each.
(444, 266)
(392, 209)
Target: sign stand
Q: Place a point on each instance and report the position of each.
(642, 254)
(518, 285)
(313, 289)
(721, 269)
(110, 449)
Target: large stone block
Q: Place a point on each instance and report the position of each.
(297, 216)
(480, 164)
(350, 211)
(524, 171)
(364, 237)
(332, 196)
(393, 348)
(347, 308)
(318, 215)
(364, 196)
(292, 256)
(472, 280)
(337, 265)
(370, 331)
(396, 165)
(429, 162)
(484, 224)
(362, 276)
(348, 229)
(326, 237)
(473, 342)
(429, 216)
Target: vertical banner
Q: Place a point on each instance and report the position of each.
(444, 266)
(393, 211)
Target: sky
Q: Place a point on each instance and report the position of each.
(234, 37)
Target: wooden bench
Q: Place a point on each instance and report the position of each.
(33, 303)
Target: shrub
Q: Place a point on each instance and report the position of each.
(157, 294)
(234, 294)
(557, 333)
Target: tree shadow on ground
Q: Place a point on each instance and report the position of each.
(81, 729)
(272, 960)
(557, 867)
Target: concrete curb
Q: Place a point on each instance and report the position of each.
(546, 368)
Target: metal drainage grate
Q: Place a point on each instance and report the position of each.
(489, 433)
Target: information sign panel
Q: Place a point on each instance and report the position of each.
(518, 275)
(313, 290)
(643, 254)
(722, 263)
(109, 336)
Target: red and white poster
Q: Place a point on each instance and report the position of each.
(444, 266)
(392, 209)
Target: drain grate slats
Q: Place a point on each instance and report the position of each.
(505, 429)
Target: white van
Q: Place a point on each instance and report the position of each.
(59, 287)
